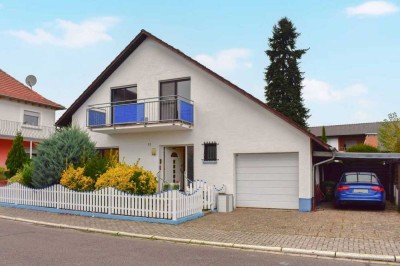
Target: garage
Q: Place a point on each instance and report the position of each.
(267, 180)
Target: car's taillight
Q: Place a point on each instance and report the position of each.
(379, 189)
(343, 188)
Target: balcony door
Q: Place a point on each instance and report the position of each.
(169, 92)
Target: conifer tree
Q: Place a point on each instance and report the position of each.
(323, 137)
(283, 91)
(16, 157)
(69, 145)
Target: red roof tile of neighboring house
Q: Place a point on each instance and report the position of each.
(13, 89)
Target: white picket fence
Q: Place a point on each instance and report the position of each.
(171, 205)
(210, 193)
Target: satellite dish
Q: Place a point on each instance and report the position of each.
(31, 81)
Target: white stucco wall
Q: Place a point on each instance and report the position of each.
(333, 141)
(223, 115)
(14, 111)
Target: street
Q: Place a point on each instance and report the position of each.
(27, 244)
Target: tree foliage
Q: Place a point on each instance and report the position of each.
(389, 133)
(67, 146)
(283, 91)
(323, 137)
(16, 156)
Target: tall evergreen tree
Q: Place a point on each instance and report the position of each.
(283, 76)
(16, 157)
(323, 137)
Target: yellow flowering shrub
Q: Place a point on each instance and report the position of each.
(17, 178)
(73, 178)
(129, 178)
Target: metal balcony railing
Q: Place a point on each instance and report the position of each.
(10, 129)
(142, 111)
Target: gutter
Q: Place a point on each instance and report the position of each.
(333, 151)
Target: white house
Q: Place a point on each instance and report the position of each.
(24, 110)
(185, 122)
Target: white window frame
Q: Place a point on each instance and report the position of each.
(31, 113)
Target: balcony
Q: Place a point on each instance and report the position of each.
(142, 115)
(9, 129)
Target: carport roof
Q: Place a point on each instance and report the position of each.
(359, 155)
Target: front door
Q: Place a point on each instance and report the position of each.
(174, 166)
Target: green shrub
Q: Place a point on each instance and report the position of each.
(362, 148)
(23, 176)
(27, 172)
(97, 165)
(67, 146)
(16, 157)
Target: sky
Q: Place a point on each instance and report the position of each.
(351, 70)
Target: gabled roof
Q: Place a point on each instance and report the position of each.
(13, 89)
(66, 118)
(347, 129)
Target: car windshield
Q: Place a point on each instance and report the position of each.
(360, 178)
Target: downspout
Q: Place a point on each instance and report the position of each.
(333, 151)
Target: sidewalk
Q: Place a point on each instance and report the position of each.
(365, 232)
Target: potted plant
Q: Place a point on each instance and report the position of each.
(165, 187)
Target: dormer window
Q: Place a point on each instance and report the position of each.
(31, 118)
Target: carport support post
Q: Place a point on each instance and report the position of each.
(313, 172)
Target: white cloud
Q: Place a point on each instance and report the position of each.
(362, 116)
(227, 60)
(320, 91)
(372, 8)
(69, 34)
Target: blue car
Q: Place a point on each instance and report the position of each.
(360, 187)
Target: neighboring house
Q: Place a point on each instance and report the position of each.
(24, 110)
(185, 122)
(344, 136)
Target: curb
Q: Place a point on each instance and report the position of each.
(318, 253)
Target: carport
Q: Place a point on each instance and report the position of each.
(329, 166)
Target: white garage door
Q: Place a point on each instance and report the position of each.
(269, 180)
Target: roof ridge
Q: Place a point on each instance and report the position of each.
(53, 104)
(348, 124)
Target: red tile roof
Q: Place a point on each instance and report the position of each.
(12, 88)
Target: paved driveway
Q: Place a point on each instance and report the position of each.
(325, 222)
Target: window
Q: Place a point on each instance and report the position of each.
(31, 118)
(360, 178)
(210, 152)
(127, 94)
(108, 152)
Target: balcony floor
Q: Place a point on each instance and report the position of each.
(140, 128)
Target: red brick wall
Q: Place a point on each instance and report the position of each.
(371, 140)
